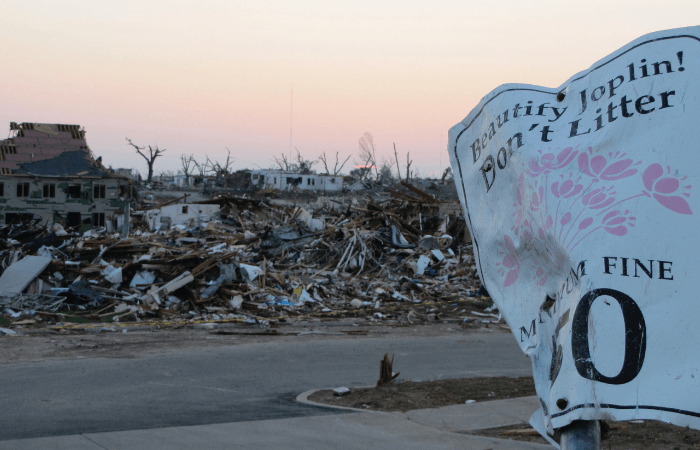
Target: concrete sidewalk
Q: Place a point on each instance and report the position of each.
(419, 429)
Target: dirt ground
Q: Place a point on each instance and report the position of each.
(634, 435)
(405, 396)
(409, 395)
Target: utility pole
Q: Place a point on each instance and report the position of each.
(440, 152)
(291, 115)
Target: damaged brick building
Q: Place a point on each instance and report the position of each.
(48, 172)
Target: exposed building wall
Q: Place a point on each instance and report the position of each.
(62, 199)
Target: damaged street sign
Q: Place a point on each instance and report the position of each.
(582, 207)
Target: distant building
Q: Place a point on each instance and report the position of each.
(181, 180)
(48, 172)
(358, 185)
(279, 179)
(188, 215)
(129, 173)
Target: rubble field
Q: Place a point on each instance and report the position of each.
(393, 259)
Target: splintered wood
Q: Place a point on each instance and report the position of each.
(386, 374)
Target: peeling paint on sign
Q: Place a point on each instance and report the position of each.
(582, 205)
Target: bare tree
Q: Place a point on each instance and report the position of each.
(304, 166)
(219, 169)
(301, 166)
(324, 160)
(201, 168)
(283, 163)
(366, 155)
(153, 153)
(336, 169)
(398, 167)
(409, 161)
(447, 174)
(188, 165)
(386, 174)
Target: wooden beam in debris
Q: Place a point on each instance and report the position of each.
(405, 197)
(169, 202)
(422, 194)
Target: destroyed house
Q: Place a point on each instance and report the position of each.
(47, 172)
(280, 179)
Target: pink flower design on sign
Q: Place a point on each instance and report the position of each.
(537, 199)
(606, 169)
(566, 189)
(614, 222)
(559, 215)
(550, 161)
(661, 187)
(599, 198)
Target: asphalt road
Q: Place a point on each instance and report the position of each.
(244, 382)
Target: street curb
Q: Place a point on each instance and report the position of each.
(303, 398)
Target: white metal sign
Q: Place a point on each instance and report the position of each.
(583, 207)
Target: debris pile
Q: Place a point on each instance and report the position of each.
(234, 259)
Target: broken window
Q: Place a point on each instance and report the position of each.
(2, 189)
(11, 218)
(72, 219)
(49, 190)
(185, 209)
(332, 180)
(74, 190)
(290, 180)
(308, 181)
(98, 191)
(98, 219)
(22, 189)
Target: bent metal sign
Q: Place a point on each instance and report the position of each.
(582, 202)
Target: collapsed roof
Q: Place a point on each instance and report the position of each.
(48, 150)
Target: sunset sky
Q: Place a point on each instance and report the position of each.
(197, 77)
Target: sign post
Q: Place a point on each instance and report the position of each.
(583, 210)
(581, 435)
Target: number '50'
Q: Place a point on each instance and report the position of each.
(635, 338)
